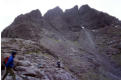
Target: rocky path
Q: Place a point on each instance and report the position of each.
(37, 66)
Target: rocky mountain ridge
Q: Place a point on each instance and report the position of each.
(55, 19)
(86, 40)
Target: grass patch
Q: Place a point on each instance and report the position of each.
(117, 58)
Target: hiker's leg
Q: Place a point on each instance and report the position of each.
(5, 73)
(12, 73)
(59, 66)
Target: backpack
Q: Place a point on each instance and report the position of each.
(6, 60)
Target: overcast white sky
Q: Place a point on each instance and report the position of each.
(9, 9)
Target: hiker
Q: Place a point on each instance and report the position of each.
(58, 64)
(9, 64)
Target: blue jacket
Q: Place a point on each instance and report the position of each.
(10, 62)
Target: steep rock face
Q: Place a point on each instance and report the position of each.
(54, 18)
(26, 26)
(66, 23)
(53, 12)
(33, 16)
(86, 53)
(72, 17)
(108, 39)
(93, 19)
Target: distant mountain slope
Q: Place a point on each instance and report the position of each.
(55, 19)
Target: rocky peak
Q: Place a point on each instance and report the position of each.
(93, 19)
(25, 26)
(62, 22)
(34, 15)
(72, 10)
(71, 16)
(53, 12)
(85, 7)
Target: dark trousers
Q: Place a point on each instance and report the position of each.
(9, 70)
